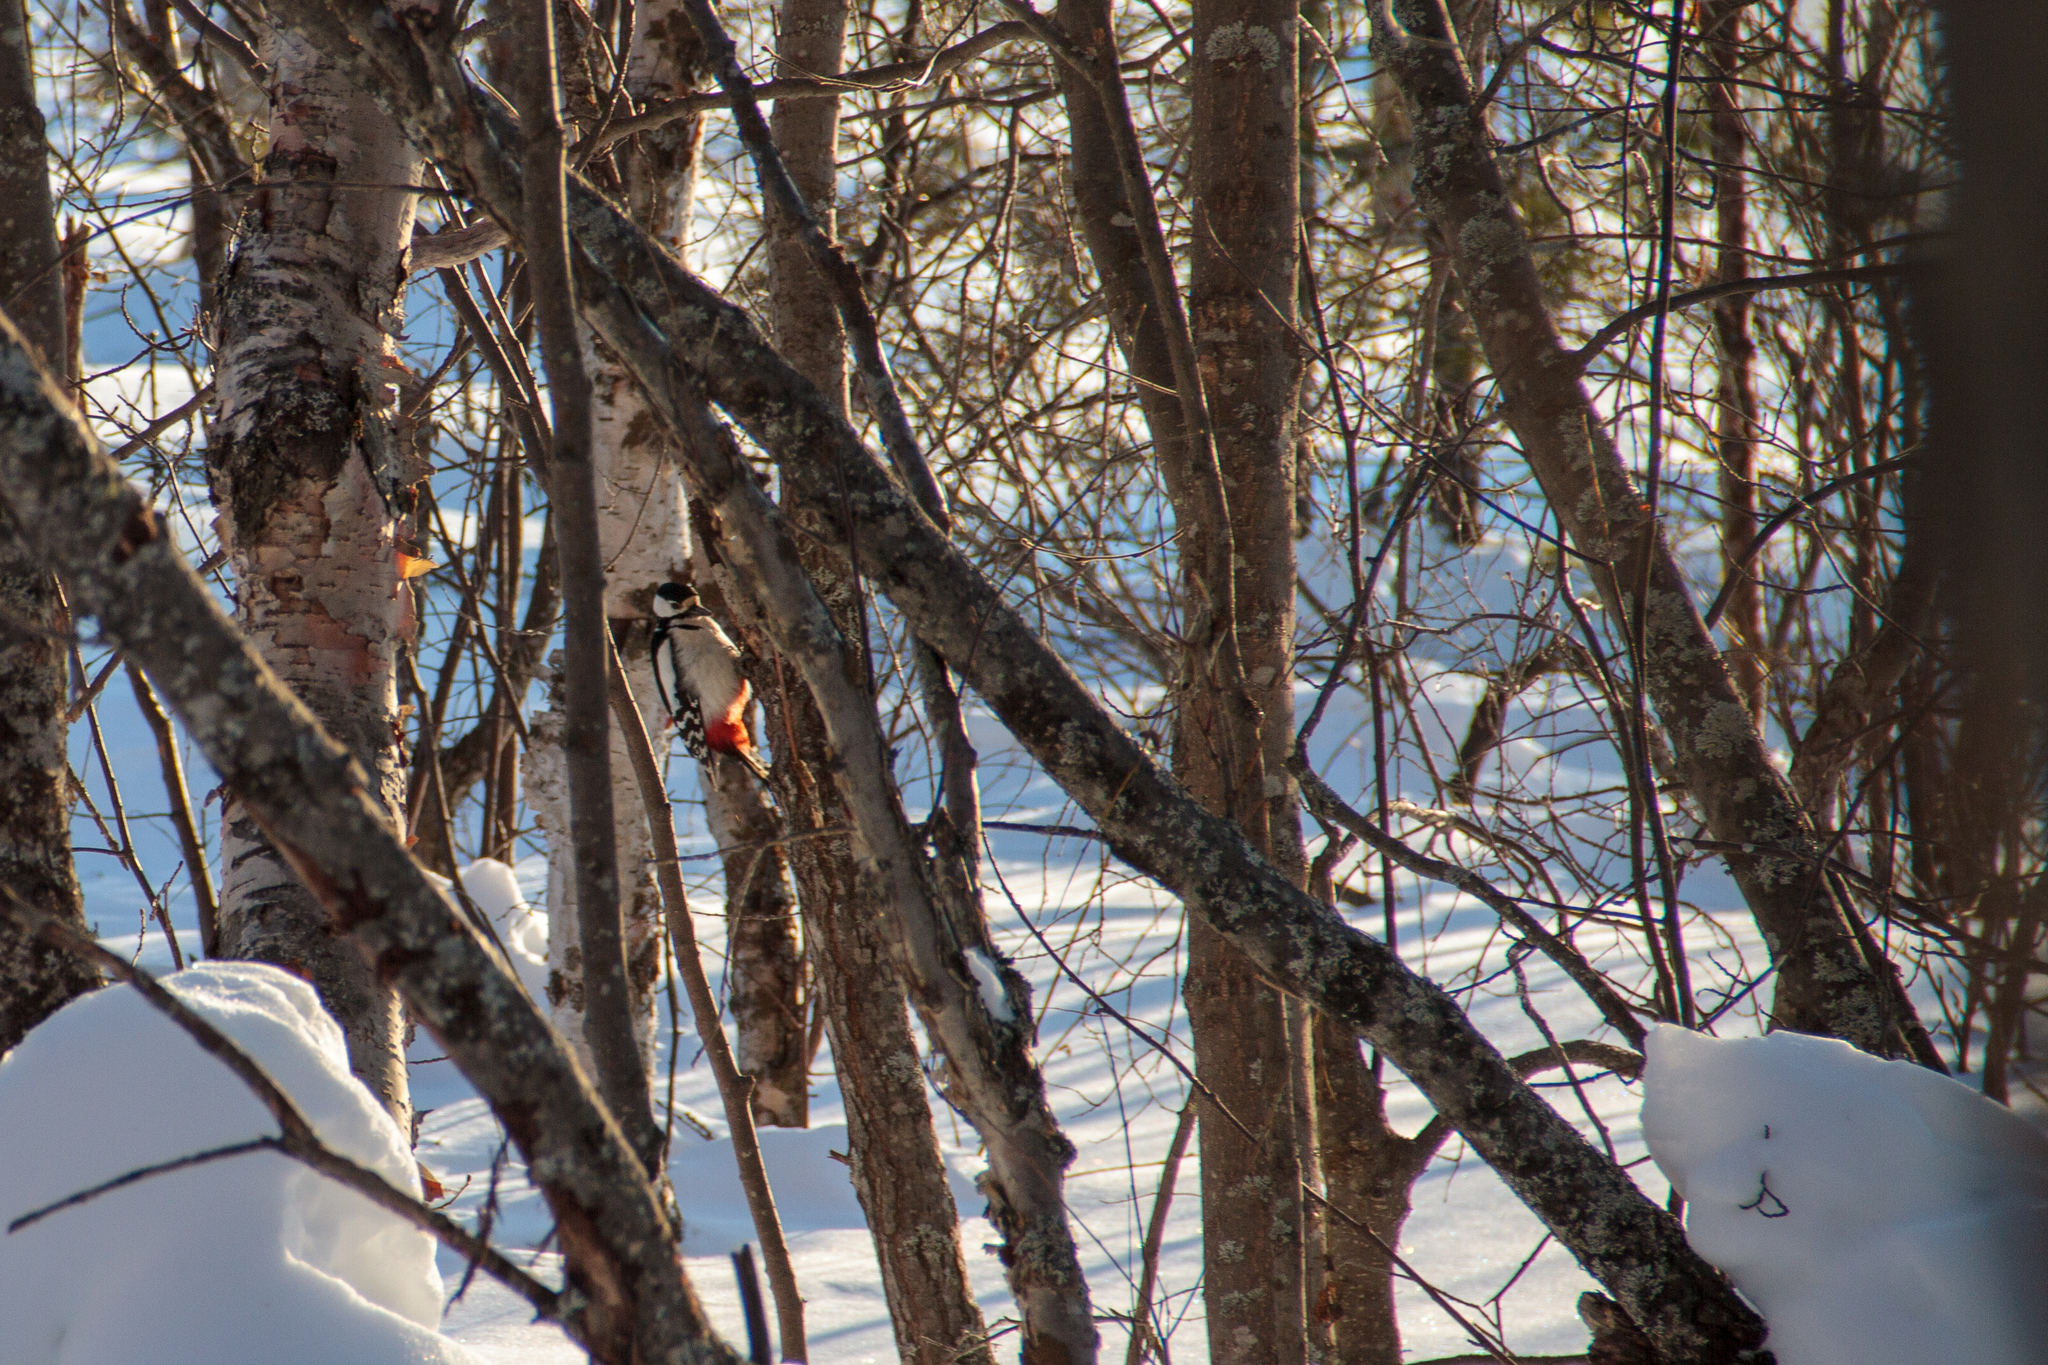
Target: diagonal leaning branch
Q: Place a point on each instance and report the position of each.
(676, 333)
(1826, 983)
(99, 534)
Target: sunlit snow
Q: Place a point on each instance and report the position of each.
(1876, 1213)
(250, 1258)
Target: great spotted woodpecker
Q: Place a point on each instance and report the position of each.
(697, 670)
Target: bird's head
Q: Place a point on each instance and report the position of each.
(674, 602)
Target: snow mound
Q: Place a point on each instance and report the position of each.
(247, 1260)
(523, 929)
(1876, 1213)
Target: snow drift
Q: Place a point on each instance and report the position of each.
(1876, 1213)
(247, 1260)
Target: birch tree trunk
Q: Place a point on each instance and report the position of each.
(643, 534)
(312, 484)
(35, 807)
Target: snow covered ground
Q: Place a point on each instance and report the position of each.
(1119, 1103)
(1117, 1099)
(248, 1258)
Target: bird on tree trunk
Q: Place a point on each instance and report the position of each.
(697, 670)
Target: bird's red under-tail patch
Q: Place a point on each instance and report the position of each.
(727, 736)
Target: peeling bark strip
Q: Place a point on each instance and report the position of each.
(673, 331)
(1825, 982)
(633, 1301)
(35, 808)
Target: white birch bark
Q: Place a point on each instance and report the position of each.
(310, 478)
(546, 781)
(643, 532)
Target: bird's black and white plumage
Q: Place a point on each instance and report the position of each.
(697, 671)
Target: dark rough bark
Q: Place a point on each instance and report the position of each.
(30, 270)
(572, 493)
(674, 332)
(1721, 34)
(1825, 983)
(333, 821)
(1244, 161)
(35, 805)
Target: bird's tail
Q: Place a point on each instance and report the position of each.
(753, 762)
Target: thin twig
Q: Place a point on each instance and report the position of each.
(734, 1090)
(1142, 1329)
